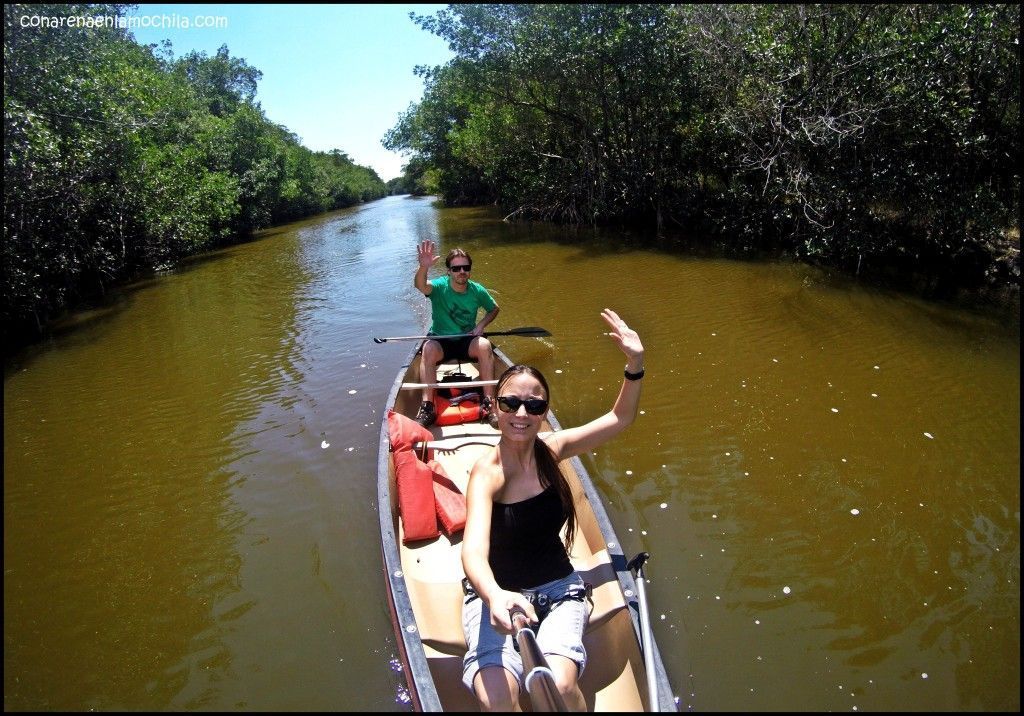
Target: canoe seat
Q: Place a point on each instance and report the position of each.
(438, 604)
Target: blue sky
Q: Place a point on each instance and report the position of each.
(336, 75)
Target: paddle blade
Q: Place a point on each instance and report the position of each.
(530, 331)
(533, 331)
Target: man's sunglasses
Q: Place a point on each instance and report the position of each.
(534, 406)
(464, 267)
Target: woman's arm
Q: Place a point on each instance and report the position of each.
(574, 441)
(476, 536)
(484, 481)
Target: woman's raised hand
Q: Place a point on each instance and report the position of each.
(627, 339)
(425, 254)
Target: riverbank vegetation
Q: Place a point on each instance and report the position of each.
(120, 159)
(882, 139)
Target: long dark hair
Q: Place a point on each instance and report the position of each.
(547, 466)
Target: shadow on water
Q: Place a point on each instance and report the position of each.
(87, 320)
(1000, 304)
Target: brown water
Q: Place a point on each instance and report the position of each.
(825, 475)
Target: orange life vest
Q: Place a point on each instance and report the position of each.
(460, 408)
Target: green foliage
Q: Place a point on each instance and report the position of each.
(867, 130)
(418, 179)
(849, 134)
(222, 82)
(119, 160)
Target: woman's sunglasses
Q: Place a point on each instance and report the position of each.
(464, 267)
(534, 406)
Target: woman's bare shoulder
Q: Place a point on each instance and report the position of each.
(486, 474)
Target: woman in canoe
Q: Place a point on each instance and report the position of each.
(518, 500)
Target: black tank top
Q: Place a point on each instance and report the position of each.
(525, 547)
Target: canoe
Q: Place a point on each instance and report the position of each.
(424, 578)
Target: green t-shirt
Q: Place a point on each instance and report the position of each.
(455, 312)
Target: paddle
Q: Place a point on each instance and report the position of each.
(534, 331)
(540, 682)
(636, 565)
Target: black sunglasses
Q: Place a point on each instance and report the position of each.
(534, 406)
(464, 267)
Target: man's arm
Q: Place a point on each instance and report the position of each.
(420, 281)
(488, 317)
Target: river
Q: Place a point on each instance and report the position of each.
(825, 474)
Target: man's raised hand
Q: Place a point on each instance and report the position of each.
(425, 254)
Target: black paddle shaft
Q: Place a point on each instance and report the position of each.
(529, 331)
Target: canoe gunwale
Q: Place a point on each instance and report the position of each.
(413, 657)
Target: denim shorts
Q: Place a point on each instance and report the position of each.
(560, 631)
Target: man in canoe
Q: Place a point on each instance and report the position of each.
(455, 302)
(517, 501)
